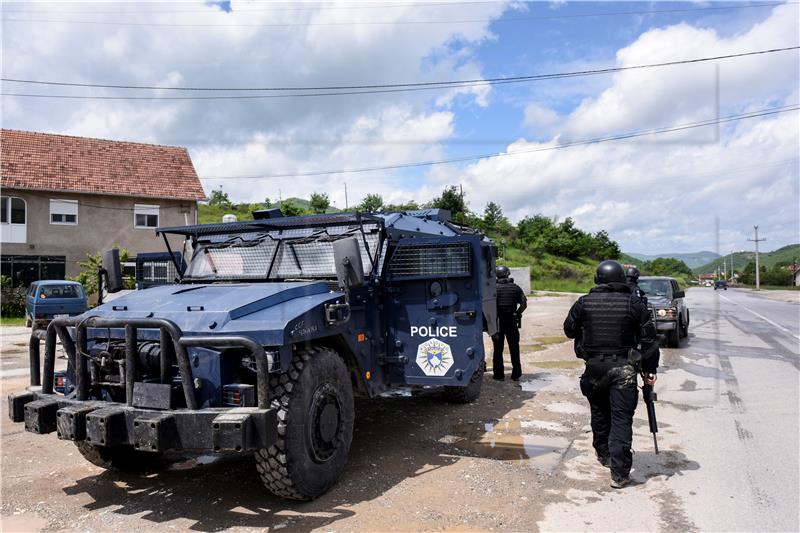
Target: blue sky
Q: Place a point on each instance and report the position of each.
(657, 194)
(554, 45)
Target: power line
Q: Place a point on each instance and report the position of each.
(210, 8)
(394, 22)
(597, 140)
(340, 90)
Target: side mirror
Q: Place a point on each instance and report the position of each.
(349, 268)
(679, 294)
(113, 270)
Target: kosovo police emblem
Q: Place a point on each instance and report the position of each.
(434, 357)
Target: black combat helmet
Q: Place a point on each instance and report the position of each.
(503, 272)
(632, 273)
(609, 272)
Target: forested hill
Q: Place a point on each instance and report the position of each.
(782, 256)
(692, 260)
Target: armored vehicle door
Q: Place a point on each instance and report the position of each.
(434, 310)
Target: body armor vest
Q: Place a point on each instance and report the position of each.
(507, 296)
(608, 324)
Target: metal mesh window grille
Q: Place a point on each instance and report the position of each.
(431, 260)
(234, 262)
(302, 253)
(159, 272)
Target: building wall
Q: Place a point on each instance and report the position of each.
(104, 222)
(522, 277)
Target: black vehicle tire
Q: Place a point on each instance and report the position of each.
(673, 337)
(28, 322)
(685, 326)
(314, 399)
(121, 458)
(471, 392)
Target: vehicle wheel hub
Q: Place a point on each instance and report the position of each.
(326, 423)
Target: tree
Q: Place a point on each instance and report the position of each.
(219, 198)
(492, 215)
(603, 247)
(411, 205)
(267, 204)
(668, 266)
(452, 200)
(88, 273)
(537, 228)
(319, 202)
(372, 203)
(291, 209)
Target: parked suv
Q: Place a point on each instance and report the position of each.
(49, 299)
(665, 299)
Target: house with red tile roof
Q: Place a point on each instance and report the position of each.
(63, 197)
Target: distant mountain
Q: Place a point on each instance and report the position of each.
(786, 254)
(692, 260)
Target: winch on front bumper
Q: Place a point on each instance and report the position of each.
(145, 420)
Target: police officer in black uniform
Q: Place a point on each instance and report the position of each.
(632, 275)
(511, 302)
(609, 324)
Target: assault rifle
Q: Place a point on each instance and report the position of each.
(649, 396)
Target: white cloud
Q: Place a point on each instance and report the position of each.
(540, 118)
(650, 193)
(662, 192)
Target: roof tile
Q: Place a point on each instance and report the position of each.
(43, 161)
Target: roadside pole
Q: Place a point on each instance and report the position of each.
(758, 268)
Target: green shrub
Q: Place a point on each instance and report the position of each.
(13, 298)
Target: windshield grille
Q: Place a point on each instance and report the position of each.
(438, 260)
(241, 262)
(293, 253)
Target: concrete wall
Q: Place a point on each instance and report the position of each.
(104, 222)
(522, 277)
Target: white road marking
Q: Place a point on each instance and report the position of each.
(762, 317)
(14, 373)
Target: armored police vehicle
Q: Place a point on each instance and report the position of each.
(261, 345)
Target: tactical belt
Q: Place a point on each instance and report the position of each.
(608, 358)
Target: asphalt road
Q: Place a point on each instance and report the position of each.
(747, 432)
(518, 459)
(728, 408)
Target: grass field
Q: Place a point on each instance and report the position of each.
(12, 321)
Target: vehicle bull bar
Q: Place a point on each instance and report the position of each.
(172, 343)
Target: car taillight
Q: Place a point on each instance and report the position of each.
(238, 395)
(60, 382)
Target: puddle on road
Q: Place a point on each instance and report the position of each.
(399, 392)
(545, 381)
(509, 440)
(567, 408)
(195, 461)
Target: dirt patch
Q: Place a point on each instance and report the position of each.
(408, 451)
(528, 348)
(553, 339)
(576, 363)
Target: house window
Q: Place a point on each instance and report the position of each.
(13, 210)
(145, 216)
(64, 212)
(12, 219)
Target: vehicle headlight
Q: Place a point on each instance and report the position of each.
(661, 312)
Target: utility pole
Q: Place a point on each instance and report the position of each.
(345, 196)
(758, 267)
